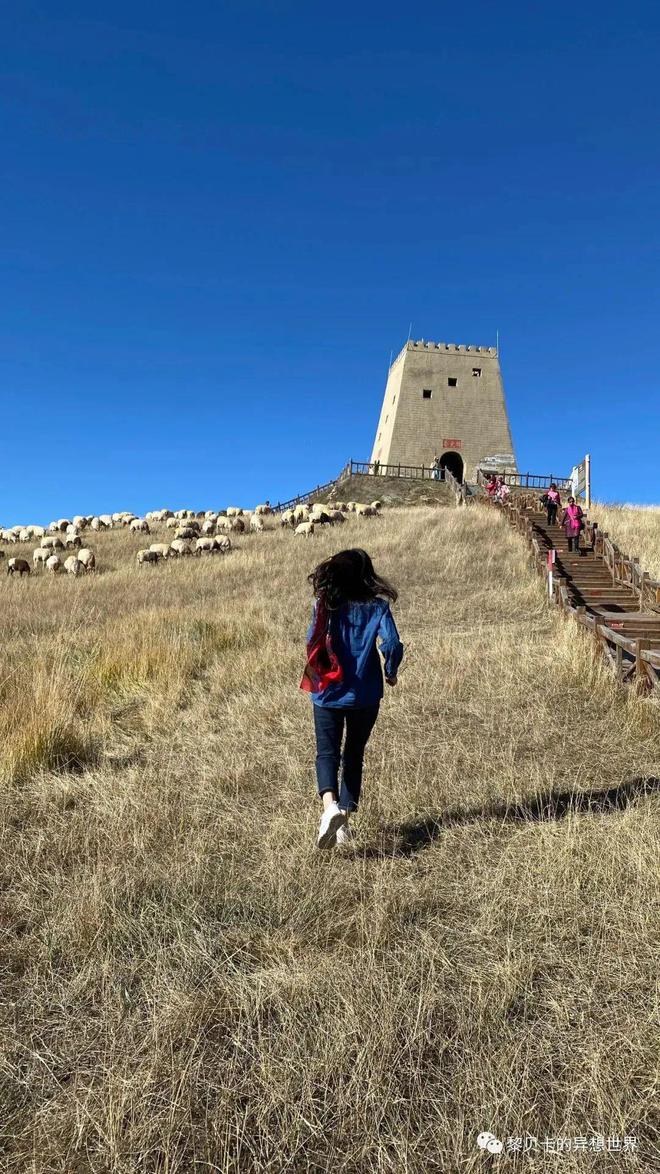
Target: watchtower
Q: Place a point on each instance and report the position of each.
(447, 401)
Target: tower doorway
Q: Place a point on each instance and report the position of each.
(454, 462)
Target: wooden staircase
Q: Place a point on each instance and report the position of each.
(604, 590)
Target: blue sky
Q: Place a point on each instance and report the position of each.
(220, 218)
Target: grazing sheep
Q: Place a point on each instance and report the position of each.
(223, 544)
(98, 524)
(50, 542)
(341, 505)
(337, 516)
(257, 523)
(106, 518)
(39, 557)
(305, 528)
(321, 518)
(160, 548)
(208, 527)
(223, 524)
(18, 566)
(287, 518)
(234, 512)
(87, 558)
(73, 566)
(53, 564)
(301, 513)
(204, 546)
(80, 522)
(7, 536)
(147, 556)
(237, 525)
(73, 541)
(263, 509)
(186, 532)
(171, 523)
(180, 546)
(366, 511)
(139, 526)
(377, 505)
(62, 524)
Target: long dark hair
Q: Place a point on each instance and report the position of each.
(349, 577)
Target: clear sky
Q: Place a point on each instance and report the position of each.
(219, 219)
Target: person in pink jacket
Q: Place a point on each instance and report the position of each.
(572, 523)
(553, 503)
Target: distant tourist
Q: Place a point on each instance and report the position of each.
(502, 492)
(553, 503)
(343, 673)
(436, 469)
(492, 485)
(573, 524)
(376, 467)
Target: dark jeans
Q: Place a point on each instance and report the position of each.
(573, 541)
(552, 513)
(329, 726)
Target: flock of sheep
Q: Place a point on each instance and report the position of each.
(194, 534)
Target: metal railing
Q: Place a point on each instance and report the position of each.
(524, 480)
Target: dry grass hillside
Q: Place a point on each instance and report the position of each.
(188, 985)
(392, 491)
(636, 532)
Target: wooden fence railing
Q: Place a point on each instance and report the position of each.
(631, 655)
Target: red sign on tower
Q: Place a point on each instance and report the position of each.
(451, 444)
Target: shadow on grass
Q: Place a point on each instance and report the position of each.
(405, 839)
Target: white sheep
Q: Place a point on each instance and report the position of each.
(180, 547)
(139, 526)
(98, 524)
(72, 541)
(160, 548)
(147, 556)
(336, 516)
(51, 542)
(208, 527)
(171, 523)
(73, 566)
(53, 564)
(39, 557)
(366, 511)
(263, 509)
(222, 543)
(305, 528)
(287, 518)
(234, 511)
(204, 546)
(87, 558)
(257, 523)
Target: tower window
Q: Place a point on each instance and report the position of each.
(452, 381)
(427, 393)
(476, 371)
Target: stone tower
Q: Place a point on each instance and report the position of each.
(447, 401)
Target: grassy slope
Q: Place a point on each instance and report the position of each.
(635, 531)
(192, 986)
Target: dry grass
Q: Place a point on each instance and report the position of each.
(189, 985)
(636, 532)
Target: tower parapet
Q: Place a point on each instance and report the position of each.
(445, 400)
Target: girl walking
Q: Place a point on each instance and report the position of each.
(343, 673)
(572, 523)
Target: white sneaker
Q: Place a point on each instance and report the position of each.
(345, 836)
(331, 820)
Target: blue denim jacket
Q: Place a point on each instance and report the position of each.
(354, 629)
